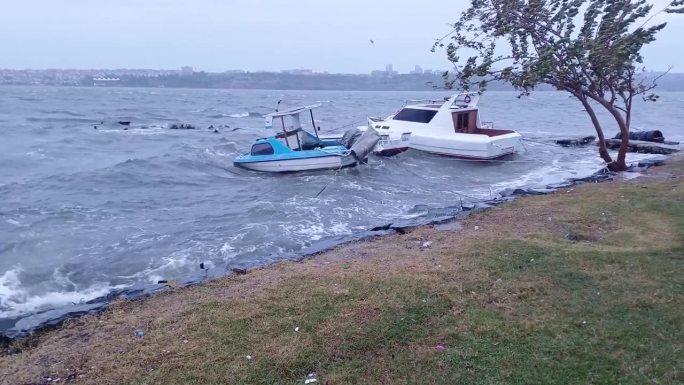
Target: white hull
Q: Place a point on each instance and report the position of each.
(469, 146)
(304, 164)
(391, 142)
(447, 127)
(391, 147)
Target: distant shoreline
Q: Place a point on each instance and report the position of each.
(260, 81)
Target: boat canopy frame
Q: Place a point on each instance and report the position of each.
(294, 115)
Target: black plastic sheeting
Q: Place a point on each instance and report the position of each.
(646, 136)
(14, 328)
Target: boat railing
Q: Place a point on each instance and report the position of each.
(489, 125)
(436, 101)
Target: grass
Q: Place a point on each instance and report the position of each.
(584, 286)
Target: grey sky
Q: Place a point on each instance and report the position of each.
(213, 35)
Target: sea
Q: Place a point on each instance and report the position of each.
(89, 206)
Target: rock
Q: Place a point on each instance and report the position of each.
(382, 228)
(526, 192)
(643, 147)
(182, 126)
(575, 142)
(239, 271)
(399, 230)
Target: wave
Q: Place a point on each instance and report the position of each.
(238, 115)
(16, 301)
(61, 120)
(29, 99)
(61, 112)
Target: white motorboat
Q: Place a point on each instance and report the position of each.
(449, 126)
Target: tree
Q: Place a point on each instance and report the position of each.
(676, 6)
(588, 48)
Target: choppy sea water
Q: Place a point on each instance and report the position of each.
(84, 211)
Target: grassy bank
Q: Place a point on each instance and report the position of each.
(584, 286)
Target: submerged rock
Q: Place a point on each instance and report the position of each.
(182, 126)
(643, 147)
(575, 142)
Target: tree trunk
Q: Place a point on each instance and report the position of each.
(620, 164)
(624, 145)
(603, 150)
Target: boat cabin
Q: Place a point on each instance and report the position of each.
(458, 114)
(291, 133)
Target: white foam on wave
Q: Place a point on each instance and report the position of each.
(560, 171)
(240, 115)
(227, 249)
(15, 300)
(556, 172)
(168, 266)
(154, 129)
(316, 231)
(36, 154)
(212, 152)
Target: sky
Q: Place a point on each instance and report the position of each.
(215, 35)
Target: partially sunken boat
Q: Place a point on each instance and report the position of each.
(450, 126)
(296, 149)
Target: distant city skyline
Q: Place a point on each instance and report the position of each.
(189, 70)
(337, 36)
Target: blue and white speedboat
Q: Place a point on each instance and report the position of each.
(295, 149)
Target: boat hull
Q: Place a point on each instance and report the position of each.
(302, 164)
(390, 151)
(469, 146)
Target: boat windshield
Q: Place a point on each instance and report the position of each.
(415, 115)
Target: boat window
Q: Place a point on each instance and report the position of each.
(415, 115)
(262, 149)
(462, 122)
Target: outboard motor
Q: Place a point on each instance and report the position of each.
(350, 137)
(365, 144)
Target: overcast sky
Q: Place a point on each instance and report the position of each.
(215, 35)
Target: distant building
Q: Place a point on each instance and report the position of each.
(297, 72)
(417, 70)
(388, 72)
(104, 82)
(187, 71)
(235, 72)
